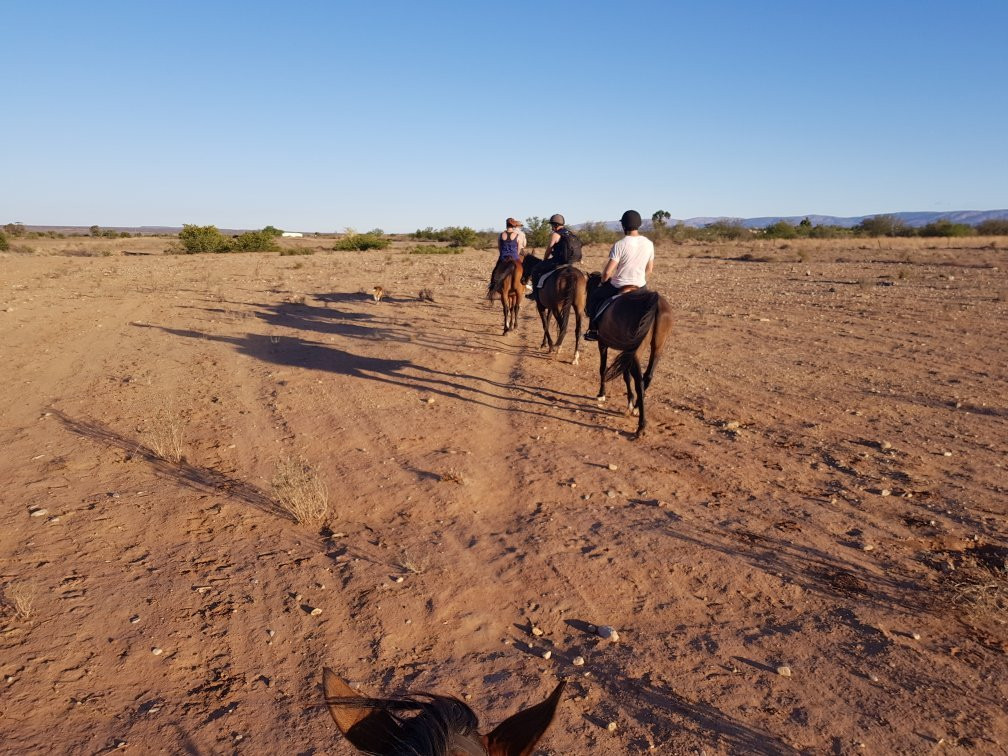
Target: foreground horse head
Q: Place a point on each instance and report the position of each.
(627, 324)
(430, 725)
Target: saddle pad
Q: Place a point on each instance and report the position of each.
(602, 308)
(543, 279)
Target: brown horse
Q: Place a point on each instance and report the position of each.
(430, 725)
(507, 283)
(626, 324)
(562, 291)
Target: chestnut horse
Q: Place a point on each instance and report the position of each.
(567, 288)
(426, 724)
(507, 283)
(627, 323)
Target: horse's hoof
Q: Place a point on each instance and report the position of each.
(577, 356)
(600, 398)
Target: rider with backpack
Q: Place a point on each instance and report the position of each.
(630, 261)
(564, 248)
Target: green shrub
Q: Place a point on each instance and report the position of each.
(993, 227)
(360, 242)
(254, 241)
(781, 230)
(461, 236)
(537, 232)
(725, 230)
(14, 230)
(198, 239)
(4, 244)
(596, 232)
(272, 231)
(883, 225)
(945, 227)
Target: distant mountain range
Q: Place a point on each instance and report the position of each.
(913, 219)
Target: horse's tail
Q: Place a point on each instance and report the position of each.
(621, 364)
(497, 280)
(636, 337)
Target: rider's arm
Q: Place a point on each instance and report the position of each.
(610, 268)
(554, 238)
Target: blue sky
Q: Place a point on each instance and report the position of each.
(317, 116)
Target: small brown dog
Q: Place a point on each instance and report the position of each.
(379, 292)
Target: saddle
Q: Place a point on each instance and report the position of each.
(605, 304)
(542, 280)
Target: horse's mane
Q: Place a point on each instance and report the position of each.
(427, 724)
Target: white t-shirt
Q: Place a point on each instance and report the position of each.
(632, 255)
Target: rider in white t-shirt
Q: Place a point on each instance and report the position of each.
(630, 261)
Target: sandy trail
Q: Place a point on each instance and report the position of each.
(821, 486)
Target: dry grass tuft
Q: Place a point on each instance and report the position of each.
(301, 492)
(166, 435)
(409, 564)
(978, 587)
(20, 598)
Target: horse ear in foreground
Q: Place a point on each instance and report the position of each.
(430, 725)
(628, 322)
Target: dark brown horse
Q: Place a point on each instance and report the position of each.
(631, 320)
(564, 290)
(426, 724)
(507, 283)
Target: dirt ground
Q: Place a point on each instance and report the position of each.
(804, 554)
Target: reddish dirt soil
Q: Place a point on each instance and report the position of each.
(821, 487)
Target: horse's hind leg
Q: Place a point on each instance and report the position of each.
(603, 355)
(544, 316)
(639, 386)
(505, 304)
(659, 332)
(629, 392)
(577, 336)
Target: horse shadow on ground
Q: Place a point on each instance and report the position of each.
(814, 570)
(665, 713)
(296, 352)
(202, 479)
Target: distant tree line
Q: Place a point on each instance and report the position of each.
(876, 226)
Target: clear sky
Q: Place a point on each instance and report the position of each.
(317, 116)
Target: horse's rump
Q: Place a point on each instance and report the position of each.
(636, 310)
(500, 275)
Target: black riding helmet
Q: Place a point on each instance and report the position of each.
(631, 220)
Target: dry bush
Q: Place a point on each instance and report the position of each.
(20, 599)
(409, 564)
(166, 435)
(301, 492)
